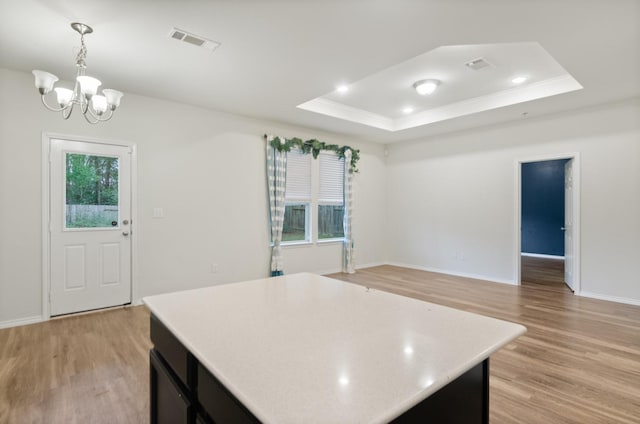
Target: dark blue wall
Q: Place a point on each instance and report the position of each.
(543, 207)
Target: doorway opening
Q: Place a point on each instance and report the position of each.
(88, 215)
(547, 221)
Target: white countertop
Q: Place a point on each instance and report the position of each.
(303, 348)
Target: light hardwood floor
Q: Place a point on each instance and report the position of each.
(542, 271)
(90, 368)
(579, 362)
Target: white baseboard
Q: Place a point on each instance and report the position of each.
(540, 255)
(327, 271)
(21, 321)
(370, 265)
(626, 300)
(358, 266)
(456, 273)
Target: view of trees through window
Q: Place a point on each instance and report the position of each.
(330, 218)
(314, 197)
(295, 217)
(91, 191)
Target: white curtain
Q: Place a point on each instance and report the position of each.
(276, 180)
(348, 251)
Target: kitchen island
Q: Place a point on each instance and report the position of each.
(303, 348)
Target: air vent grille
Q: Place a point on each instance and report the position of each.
(193, 40)
(477, 64)
(196, 40)
(177, 35)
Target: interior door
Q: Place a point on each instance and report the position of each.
(568, 225)
(90, 192)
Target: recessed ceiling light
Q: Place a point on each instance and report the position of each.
(424, 87)
(342, 88)
(519, 80)
(407, 110)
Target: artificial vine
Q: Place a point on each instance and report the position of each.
(314, 147)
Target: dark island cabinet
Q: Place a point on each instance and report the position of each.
(170, 404)
(185, 392)
(182, 390)
(332, 352)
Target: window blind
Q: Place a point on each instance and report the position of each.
(331, 178)
(298, 176)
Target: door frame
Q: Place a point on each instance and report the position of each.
(575, 156)
(46, 210)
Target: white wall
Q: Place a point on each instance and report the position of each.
(451, 198)
(443, 203)
(206, 169)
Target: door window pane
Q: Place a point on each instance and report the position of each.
(91, 191)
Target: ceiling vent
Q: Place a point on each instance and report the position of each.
(477, 64)
(196, 40)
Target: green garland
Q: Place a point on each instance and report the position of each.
(314, 147)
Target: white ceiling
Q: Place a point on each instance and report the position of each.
(379, 100)
(276, 55)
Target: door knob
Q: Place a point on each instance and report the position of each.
(125, 233)
(563, 228)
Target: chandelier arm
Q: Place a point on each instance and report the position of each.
(69, 108)
(84, 105)
(108, 117)
(89, 114)
(90, 111)
(98, 118)
(89, 120)
(53, 109)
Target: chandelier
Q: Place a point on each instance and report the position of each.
(94, 107)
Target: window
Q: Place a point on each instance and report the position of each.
(313, 185)
(330, 196)
(297, 198)
(91, 192)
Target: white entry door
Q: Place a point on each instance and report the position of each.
(90, 225)
(568, 225)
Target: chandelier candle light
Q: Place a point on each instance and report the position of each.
(95, 107)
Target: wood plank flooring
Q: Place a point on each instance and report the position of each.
(542, 271)
(579, 362)
(90, 368)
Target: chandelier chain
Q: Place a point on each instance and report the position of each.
(82, 54)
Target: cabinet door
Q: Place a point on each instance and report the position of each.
(169, 404)
(174, 354)
(218, 403)
(201, 420)
(463, 400)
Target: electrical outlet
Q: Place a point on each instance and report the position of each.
(214, 268)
